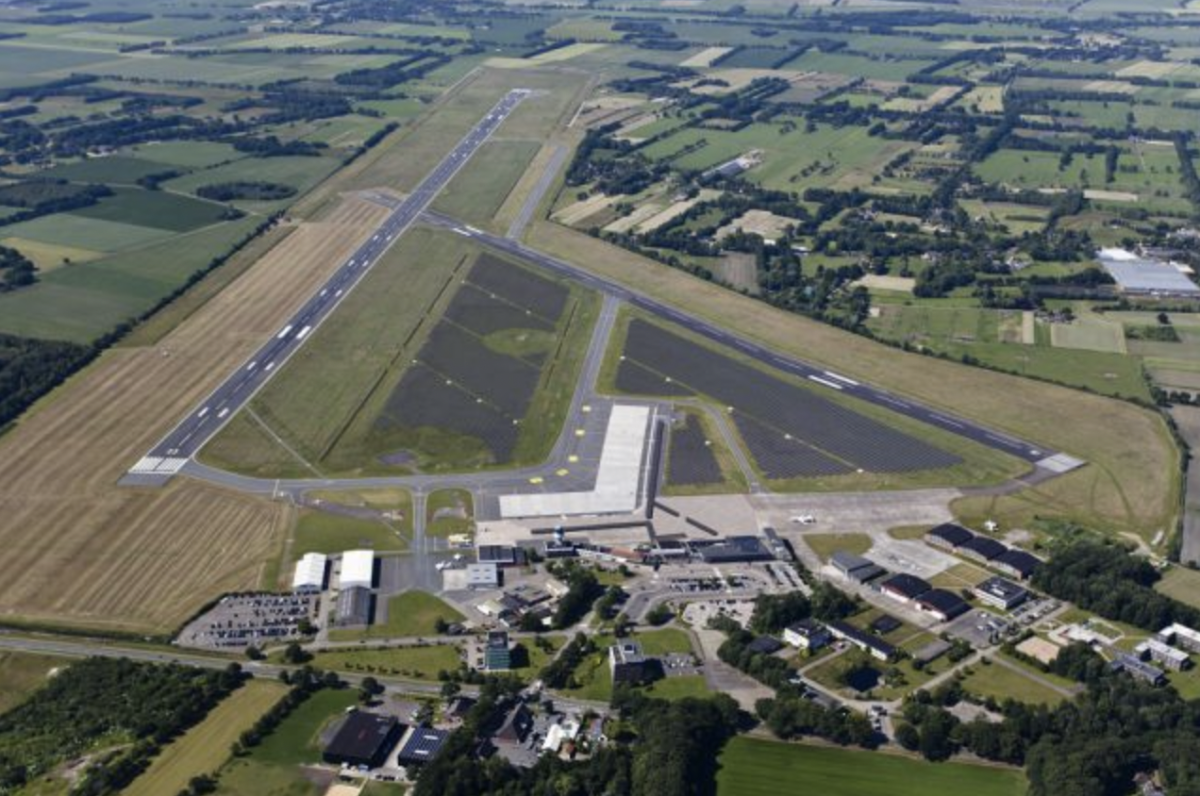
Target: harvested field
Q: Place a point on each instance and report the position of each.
(690, 459)
(739, 270)
(705, 57)
(791, 431)
(763, 223)
(583, 209)
(143, 560)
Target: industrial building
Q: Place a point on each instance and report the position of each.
(358, 569)
(422, 745)
(364, 740)
(877, 648)
(1001, 593)
(733, 550)
(483, 576)
(807, 634)
(353, 607)
(1145, 276)
(1017, 563)
(855, 568)
(904, 587)
(310, 573)
(982, 549)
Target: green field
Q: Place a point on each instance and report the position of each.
(1181, 583)
(826, 544)
(750, 767)
(449, 512)
(413, 663)
(320, 532)
(22, 673)
(203, 748)
(476, 193)
(1001, 683)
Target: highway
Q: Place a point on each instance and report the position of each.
(205, 420)
(806, 370)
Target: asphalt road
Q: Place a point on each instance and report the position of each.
(815, 373)
(204, 421)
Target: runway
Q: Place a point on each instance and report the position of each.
(175, 449)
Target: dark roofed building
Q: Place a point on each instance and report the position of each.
(629, 665)
(516, 726)
(364, 739)
(1017, 563)
(497, 656)
(904, 587)
(878, 648)
(885, 624)
(500, 555)
(765, 645)
(949, 536)
(856, 568)
(945, 605)
(982, 549)
(734, 549)
(422, 745)
(353, 607)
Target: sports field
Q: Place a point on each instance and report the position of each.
(203, 748)
(750, 767)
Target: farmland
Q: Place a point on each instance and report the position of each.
(750, 767)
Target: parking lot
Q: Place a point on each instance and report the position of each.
(239, 620)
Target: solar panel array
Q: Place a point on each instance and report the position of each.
(690, 460)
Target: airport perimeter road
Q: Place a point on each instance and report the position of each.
(1046, 459)
(182, 442)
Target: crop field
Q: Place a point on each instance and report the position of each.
(791, 431)
(145, 560)
(156, 209)
(204, 747)
(750, 767)
(1181, 584)
(301, 173)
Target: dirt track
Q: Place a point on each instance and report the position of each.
(81, 551)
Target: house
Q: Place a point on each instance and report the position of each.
(516, 726)
(1138, 669)
(945, 605)
(1001, 593)
(807, 634)
(877, 648)
(1017, 563)
(628, 664)
(363, 740)
(1180, 636)
(483, 576)
(1154, 650)
(855, 568)
(497, 655)
(981, 549)
(904, 587)
(948, 536)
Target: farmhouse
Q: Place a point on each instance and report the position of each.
(310, 573)
(358, 569)
(855, 568)
(1001, 593)
(904, 587)
(1017, 563)
(943, 604)
(363, 740)
(864, 641)
(807, 634)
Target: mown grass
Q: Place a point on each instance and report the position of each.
(411, 613)
(320, 532)
(22, 673)
(443, 509)
(750, 767)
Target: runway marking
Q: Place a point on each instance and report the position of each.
(284, 333)
(842, 379)
(303, 332)
(202, 412)
(831, 384)
(222, 413)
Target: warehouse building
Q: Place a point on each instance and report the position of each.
(483, 576)
(310, 573)
(353, 607)
(948, 536)
(942, 604)
(358, 569)
(1001, 593)
(855, 568)
(1017, 563)
(877, 648)
(982, 549)
(364, 740)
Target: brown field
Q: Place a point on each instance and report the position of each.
(1130, 483)
(81, 551)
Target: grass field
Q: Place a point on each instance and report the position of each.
(414, 663)
(750, 767)
(449, 511)
(1128, 448)
(203, 748)
(826, 544)
(1181, 583)
(477, 192)
(321, 532)
(1001, 683)
(411, 613)
(22, 673)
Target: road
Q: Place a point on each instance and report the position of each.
(170, 455)
(796, 367)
